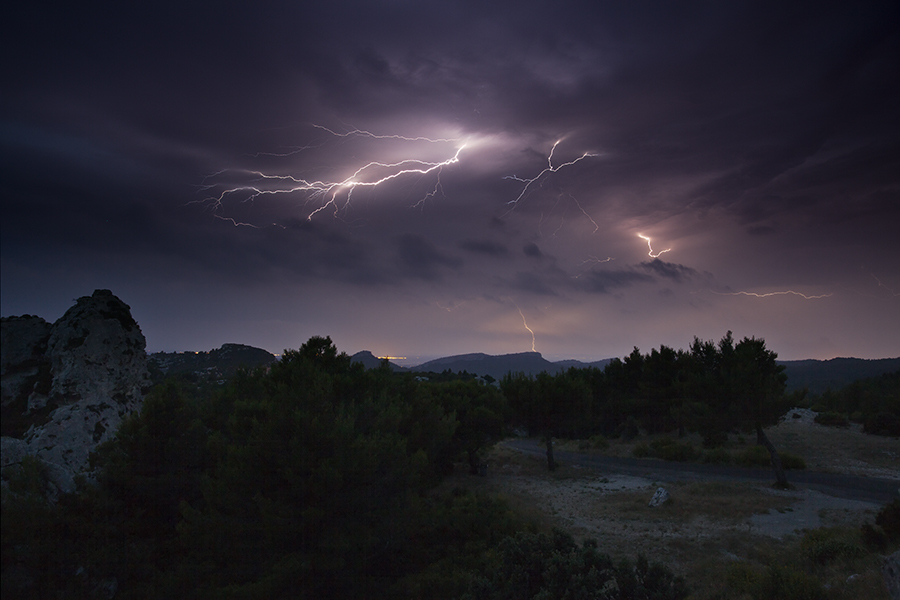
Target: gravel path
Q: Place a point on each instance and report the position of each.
(849, 487)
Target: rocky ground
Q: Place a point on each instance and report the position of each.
(706, 522)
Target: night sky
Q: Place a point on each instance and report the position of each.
(422, 179)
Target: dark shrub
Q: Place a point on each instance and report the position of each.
(791, 461)
(754, 456)
(714, 439)
(832, 419)
(719, 456)
(882, 424)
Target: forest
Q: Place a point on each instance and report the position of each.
(317, 478)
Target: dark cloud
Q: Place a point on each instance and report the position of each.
(531, 250)
(605, 282)
(487, 247)
(421, 259)
(533, 283)
(675, 272)
(760, 141)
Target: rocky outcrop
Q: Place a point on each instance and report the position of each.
(23, 350)
(91, 374)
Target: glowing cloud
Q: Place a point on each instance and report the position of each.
(334, 193)
(768, 294)
(550, 169)
(650, 253)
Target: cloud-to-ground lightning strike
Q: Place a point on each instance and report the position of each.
(525, 323)
(550, 169)
(369, 175)
(650, 253)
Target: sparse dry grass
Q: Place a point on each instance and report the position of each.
(708, 527)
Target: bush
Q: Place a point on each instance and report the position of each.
(676, 452)
(792, 461)
(667, 449)
(886, 530)
(764, 582)
(628, 430)
(832, 419)
(641, 451)
(888, 518)
(754, 456)
(824, 546)
(599, 442)
(714, 439)
(718, 456)
(555, 566)
(882, 424)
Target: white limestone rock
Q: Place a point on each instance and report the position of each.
(98, 369)
(659, 498)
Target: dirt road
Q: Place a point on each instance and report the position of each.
(867, 489)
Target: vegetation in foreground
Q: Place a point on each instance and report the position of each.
(318, 478)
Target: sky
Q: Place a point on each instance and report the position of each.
(422, 179)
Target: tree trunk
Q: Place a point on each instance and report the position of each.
(551, 464)
(761, 439)
(473, 462)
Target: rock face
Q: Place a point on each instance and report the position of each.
(91, 373)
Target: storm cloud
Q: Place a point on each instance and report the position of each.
(416, 179)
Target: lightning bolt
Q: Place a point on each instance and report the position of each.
(650, 253)
(451, 307)
(783, 293)
(890, 291)
(592, 260)
(336, 194)
(550, 169)
(525, 323)
(562, 220)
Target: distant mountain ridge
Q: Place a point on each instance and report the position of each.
(817, 376)
(478, 363)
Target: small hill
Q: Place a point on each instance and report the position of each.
(220, 363)
(370, 361)
(530, 363)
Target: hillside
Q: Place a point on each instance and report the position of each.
(215, 364)
(817, 376)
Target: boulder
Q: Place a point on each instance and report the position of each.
(659, 498)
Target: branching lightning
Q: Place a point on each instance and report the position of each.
(562, 220)
(550, 169)
(336, 194)
(650, 253)
(782, 293)
(592, 260)
(890, 291)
